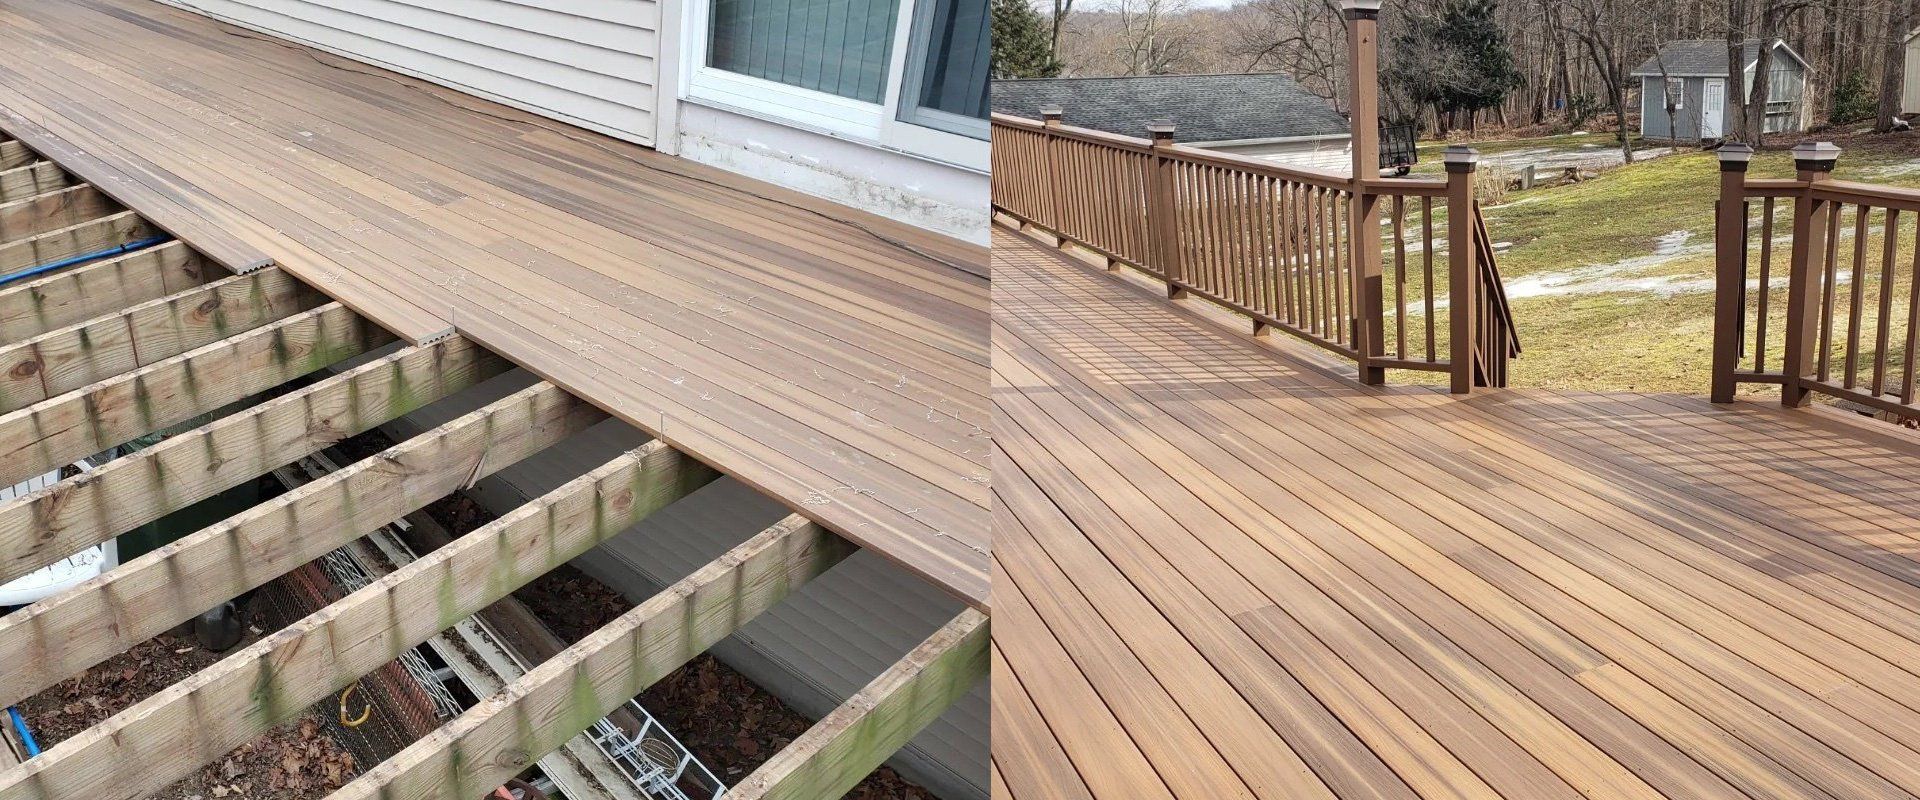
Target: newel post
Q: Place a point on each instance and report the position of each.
(1813, 162)
(1163, 218)
(1050, 126)
(1363, 87)
(1463, 269)
(1730, 269)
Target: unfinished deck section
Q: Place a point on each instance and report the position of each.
(187, 342)
(833, 360)
(1224, 570)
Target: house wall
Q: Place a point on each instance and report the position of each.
(1326, 155)
(918, 191)
(1786, 95)
(1653, 110)
(812, 651)
(591, 64)
(1910, 99)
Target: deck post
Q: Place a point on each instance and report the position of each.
(1363, 86)
(1463, 274)
(1813, 162)
(1163, 224)
(1055, 216)
(1730, 270)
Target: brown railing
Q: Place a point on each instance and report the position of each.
(1276, 243)
(1817, 285)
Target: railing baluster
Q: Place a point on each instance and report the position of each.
(1399, 276)
(1856, 297)
(1765, 295)
(1883, 328)
(1427, 244)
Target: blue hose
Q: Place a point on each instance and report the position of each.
(26, 736)
(82, 259)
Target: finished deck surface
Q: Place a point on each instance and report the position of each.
(1221, 570)
(835, 360)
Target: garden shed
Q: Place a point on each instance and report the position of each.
(1697, 75)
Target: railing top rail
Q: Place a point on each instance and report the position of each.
(1406, 187)
(1329, 180)
(1868, 194)
(1774, 187)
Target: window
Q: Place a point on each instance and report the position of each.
(1677, 93)
(840, 47)
(946, 82)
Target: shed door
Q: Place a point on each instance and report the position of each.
(1713, 108)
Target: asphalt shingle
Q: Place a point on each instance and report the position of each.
(1204, 108)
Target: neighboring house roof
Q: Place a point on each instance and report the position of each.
(1245, 108)
(1705, 58)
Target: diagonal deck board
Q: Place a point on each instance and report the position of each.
(1514, 595)
(832, 359)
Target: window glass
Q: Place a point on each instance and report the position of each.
(840, 47)
(946, 85)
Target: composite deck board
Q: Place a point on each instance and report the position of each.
(1523, 593)
(832, 359)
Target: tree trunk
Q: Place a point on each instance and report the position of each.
(1738, 93)
(1893, 69)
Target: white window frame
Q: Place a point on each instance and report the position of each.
(1679, 97)
(870, 123)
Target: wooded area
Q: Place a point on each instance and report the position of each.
(1570, 59)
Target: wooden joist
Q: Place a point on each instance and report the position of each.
(56, 209)
(58, 637)
(66, 359)
(499, 737)
(126, 493)
(88, 237)
(58, 431)
(14, 154)
(32, 307)
(860, 735)
(208, 714)
(39, 177)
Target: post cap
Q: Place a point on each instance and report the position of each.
(1460, 156)
(1160, 128)
(1735, 155)
(1360, 5)
(1052, 112)
(1820, 152)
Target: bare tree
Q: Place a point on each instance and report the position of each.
(1303, 38)
(1061, 10)
(1594, 25)
(1893, 68)
(1154, 37)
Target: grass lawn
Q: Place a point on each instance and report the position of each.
(1613, 276)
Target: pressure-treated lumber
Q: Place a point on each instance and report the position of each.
(38, 177)
(126, 493)
(58, 431)
(504, 733)
(87, 237)
(66, 359)
(53, 210)
(208, 714)
(58, 637)
(33, 307)
(860, 735)
(14, 154)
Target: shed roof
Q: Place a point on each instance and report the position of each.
(1204, 108)
(1696, 58)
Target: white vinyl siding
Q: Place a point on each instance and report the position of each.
(587, 62)
(1325, 155)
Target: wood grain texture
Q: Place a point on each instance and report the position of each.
(61, 430)
(855, 738)
(829, 358)
(56, 209)
(66, 359)
(45, 526)
(62, 298)
(76, 629)
(217, 709)
(553, 702)
(1401, 594)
